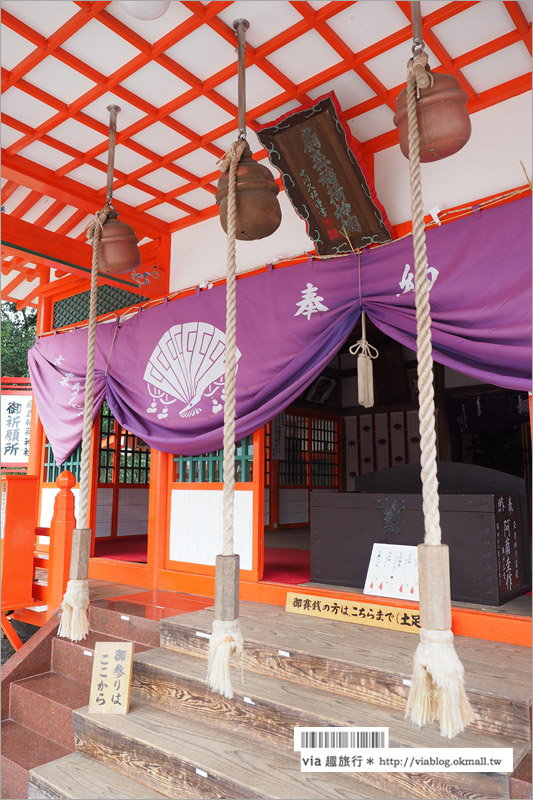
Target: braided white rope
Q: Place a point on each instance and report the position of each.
(428, 457)
(94, 232)
(230, 162)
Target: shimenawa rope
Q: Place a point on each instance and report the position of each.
(74, 622)
(437, 689)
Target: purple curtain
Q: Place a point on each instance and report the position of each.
(162, 371)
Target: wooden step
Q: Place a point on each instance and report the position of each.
(75, 659)
(366, 663)
(44, 703)
(181, 757)
(268, 709)
(77, 777)
(23, 749)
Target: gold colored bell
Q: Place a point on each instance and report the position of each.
(118, 251)
(443, 123)
(258, 211)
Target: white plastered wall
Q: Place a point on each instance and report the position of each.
(488, 164)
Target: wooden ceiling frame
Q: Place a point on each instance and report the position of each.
(67, 191)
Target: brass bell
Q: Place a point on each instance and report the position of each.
(443, 122)
(258, 211)
(118, 251)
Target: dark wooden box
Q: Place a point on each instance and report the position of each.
(484, 533)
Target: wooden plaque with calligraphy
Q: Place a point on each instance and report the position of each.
(111, 678)
(325, 177)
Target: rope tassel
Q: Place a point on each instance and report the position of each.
(437, 690)
(225, 644)
(74, 622)
(365, 353)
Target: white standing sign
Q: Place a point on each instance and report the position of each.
(393, 571)
(16, 422)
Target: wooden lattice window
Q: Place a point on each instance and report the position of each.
(52, 469)
(311, 452)
(123, 450)
(209, 468)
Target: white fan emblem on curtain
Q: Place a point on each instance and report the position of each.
(187, 366)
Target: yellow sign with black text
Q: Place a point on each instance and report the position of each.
(111, 678)
(396, 619)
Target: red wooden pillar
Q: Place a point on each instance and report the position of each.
(44, 323)
(158, 513)
(61, 528)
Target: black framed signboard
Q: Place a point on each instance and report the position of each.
(325, 178)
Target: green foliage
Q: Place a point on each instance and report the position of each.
(18, 335)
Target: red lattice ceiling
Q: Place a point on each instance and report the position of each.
(175, 80)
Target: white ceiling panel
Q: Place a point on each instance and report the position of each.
(44, 17)
(77, 135)
(45, 156)
(475, 26)
(166, 212)
(267, 18)
(163, 180)
(60, 218)
(201, 116)
(132, 196)
(117, 51)
(17, 197)
(88, 175)
(203, 53)
(499, 67)
(293, 59)
(349, 88)
(23, 289)
(200, 163)
(391, 67)
(259, 88)
(127, 115)
(198, 199)
(373, 123)
(9, 135)
(81, 227)
(60, 80)
(152, 30)
(160, 139)
(429, 6)
(268, 119)
(39, 208)
(367, 22)
(126, 159)
(25, 108)
(155, 84)
(13, 48)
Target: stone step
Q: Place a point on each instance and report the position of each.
(124, 620)
(44, 703)
(75, 659)
(181, 757)
(78, 778)
(365, 663)
(23, 749)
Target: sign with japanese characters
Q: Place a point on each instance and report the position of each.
(111, 678)
(396, 619)
(325, 178)
(509, 543)
(393, 571)
(277, 437)
(16, 422)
